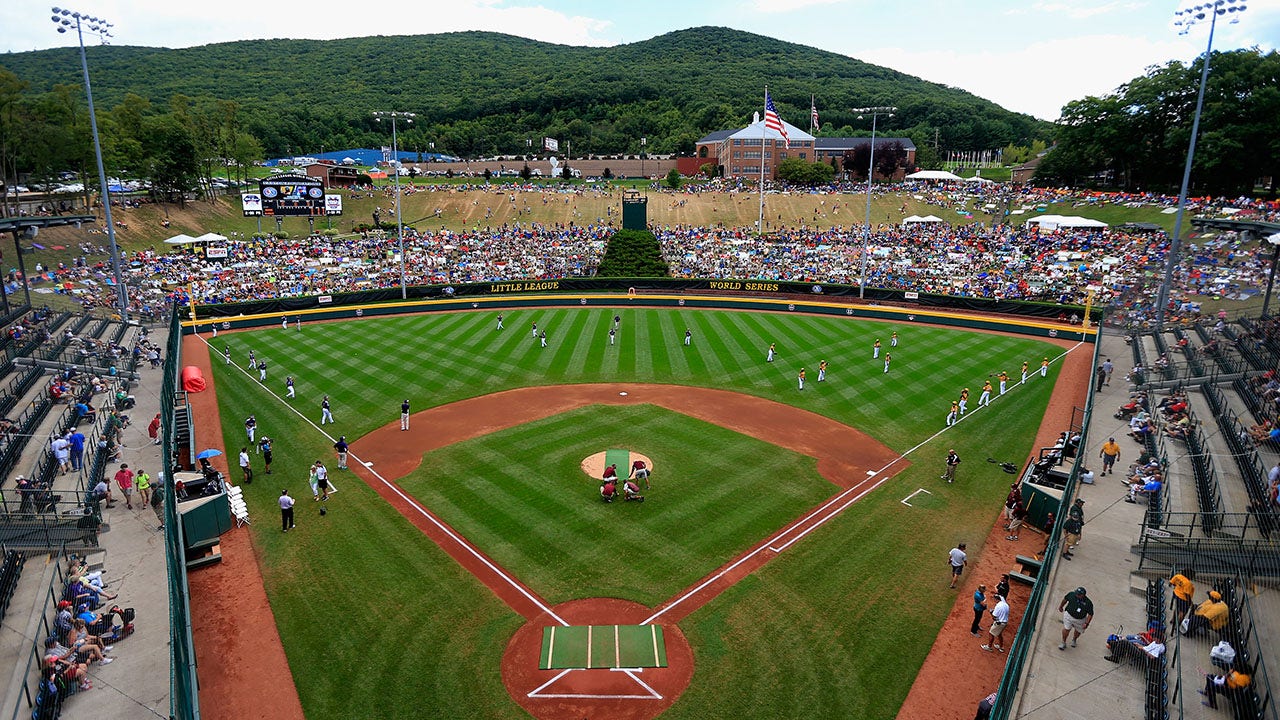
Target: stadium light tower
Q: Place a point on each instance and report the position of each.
(1184, 20)
(65, 20)
(874, 112)
(395, 154)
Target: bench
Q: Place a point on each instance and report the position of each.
(1030, 566)
(1024, 579)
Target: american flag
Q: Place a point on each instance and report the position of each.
(813, 114)
(772, 121)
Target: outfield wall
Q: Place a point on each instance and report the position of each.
(350, 307)
(645, 286)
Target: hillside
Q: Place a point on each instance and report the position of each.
(482, 93)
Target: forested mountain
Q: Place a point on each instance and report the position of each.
(480, 93)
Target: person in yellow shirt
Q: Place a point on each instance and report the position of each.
(1212, 613)
(1183, 590)
(1234, 683)
(1110, 454)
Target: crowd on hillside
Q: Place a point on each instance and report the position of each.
(986, 259)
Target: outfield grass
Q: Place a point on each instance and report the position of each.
(836, 626)
(521, 495)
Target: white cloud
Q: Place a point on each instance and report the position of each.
(786, 6)
(175, 24)
(1078, 11)
(1034, 79)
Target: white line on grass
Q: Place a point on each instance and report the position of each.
(921, 490)
(769, 544)
(412, 503)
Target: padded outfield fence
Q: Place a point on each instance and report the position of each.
(1024, 639)
(184, 703)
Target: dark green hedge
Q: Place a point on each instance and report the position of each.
(633, 253)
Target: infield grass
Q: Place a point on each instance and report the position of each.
(377, 621)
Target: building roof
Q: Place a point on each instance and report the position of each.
(715, 137)
(756, 130)
(848, 143)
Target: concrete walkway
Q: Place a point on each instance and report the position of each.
(136, 685)
(1077, 682)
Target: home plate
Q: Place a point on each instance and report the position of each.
(622, 394)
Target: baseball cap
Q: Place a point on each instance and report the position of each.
(64, 604)
(1080, 591)
(1079, 501)
(1214, 594)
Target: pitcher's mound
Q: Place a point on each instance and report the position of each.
(594, 465)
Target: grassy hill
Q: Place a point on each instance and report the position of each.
(483, 93)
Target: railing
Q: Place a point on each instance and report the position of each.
(1173, 545)
(30, 674)
(1024, 639)
(184, 702)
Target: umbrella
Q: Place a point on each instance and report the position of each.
(208, 454)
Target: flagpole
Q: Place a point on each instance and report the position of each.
(763, 131)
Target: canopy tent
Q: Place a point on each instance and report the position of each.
(212, 237)
(913, 219)
(1053, 222)
(933, 175)
(978, 179)
(182, 240)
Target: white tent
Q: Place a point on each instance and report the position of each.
(978, 179)
(1053, 222)
(181, 240)
(212, 237)
(933, 175)
(917, 219)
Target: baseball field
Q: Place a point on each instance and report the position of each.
(773, 545)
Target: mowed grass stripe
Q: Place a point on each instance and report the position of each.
(693, 486)
(398, 584)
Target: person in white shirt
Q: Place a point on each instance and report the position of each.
(999, 619)
(957, 560)
(1145, 647)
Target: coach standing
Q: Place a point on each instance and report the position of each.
(957, 560)
(286, 511)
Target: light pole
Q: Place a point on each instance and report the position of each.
(1274, 240)
(1185, 20)
(395, 154)
(871, 167)
(66, 19)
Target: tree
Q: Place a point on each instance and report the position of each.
(802, 172)
(673, 179)
(525, 172)
(173, 169)
(710, 170)
(607, 174)
(487, 174)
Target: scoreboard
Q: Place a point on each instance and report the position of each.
(286, 196)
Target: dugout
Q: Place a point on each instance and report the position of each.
(635, 211)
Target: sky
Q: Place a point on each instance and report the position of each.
(1030, 56)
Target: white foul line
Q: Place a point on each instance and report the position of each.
(410, 501)
(768, 544)
(537, 692)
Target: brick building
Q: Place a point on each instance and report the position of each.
(738, 152)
